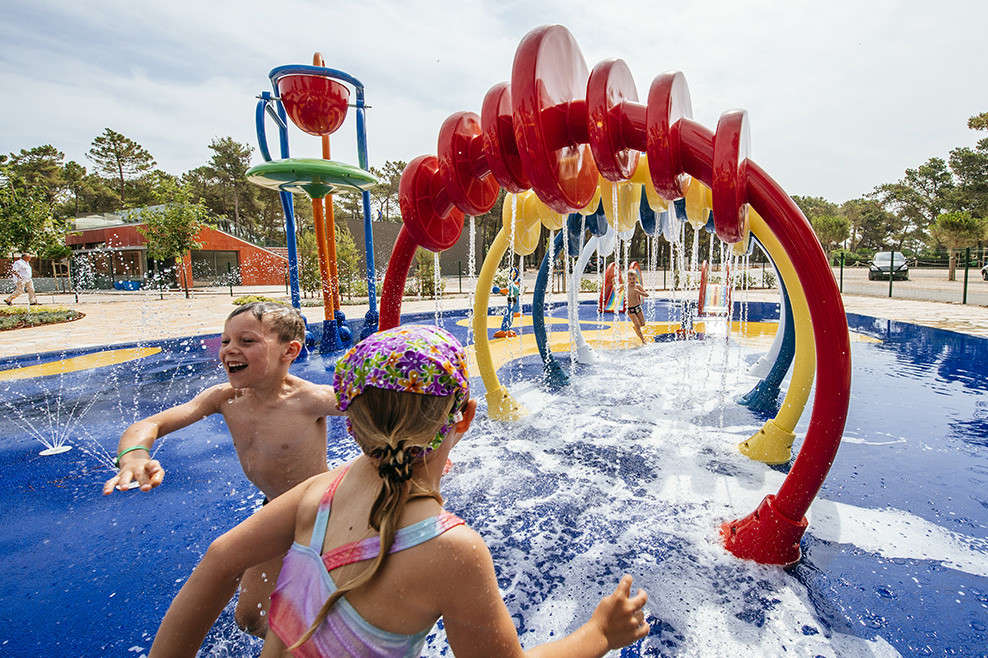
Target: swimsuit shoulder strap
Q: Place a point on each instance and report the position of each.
(407, 537)
(322, 516)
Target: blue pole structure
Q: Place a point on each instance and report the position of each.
(281, 118)
(764, 396)
(372, 317)
(555, 376)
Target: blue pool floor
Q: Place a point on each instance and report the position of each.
(895, 561)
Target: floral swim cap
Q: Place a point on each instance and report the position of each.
(419, 359)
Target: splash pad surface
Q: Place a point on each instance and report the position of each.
(630, 469)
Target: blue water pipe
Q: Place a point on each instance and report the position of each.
(596, 223)
(764, 396)
(554, 374)
(264, 106)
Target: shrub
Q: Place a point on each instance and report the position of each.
(589, 285)
(248, 299)
(18, 317)
(500, 277)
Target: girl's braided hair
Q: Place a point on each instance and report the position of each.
(395, 428)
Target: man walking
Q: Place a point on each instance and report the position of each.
(22, 280)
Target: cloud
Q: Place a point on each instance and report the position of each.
(842, 96)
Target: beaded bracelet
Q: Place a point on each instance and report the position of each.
(130, 449)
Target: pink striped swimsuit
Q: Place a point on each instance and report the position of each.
(305, 584)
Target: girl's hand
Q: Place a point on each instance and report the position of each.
(621, 617)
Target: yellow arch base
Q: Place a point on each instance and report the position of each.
(78, 363)
(771, 445)
(500, 404)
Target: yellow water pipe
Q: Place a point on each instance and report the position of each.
(772, 444)
(500, 404)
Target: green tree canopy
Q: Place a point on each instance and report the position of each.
(917, 199)
(309, 279)
(347, 260)
(154, 187)
(815, 206)
(956, 230)
(26, 221)
(229, 164)
(425, 270)
(40, 167)
(831, 230)
(171, 230)
(871, 226)
(73, 175)
(119, 158)
(970, 166)
(348, 205)
(384, 197)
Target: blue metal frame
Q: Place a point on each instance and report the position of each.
(277, 112)
(271, 105)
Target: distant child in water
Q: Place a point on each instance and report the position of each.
(277, 422)
(635, 294)
(373, 560)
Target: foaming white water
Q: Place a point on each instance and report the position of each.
(632, 469)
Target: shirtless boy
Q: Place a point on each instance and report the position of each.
(277, 422)
(635, 312)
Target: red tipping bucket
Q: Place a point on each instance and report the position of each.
(316, 104)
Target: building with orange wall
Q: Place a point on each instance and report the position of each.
(111, 252)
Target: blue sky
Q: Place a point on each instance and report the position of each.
(842, 96)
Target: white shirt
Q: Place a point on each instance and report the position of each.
(22, 270)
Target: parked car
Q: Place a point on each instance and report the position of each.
(884, 261)
(984, 272)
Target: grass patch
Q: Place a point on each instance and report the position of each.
(249, 299)
(19, 317)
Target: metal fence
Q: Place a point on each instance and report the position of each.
(928, 279)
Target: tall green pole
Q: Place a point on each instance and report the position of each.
(967, 270)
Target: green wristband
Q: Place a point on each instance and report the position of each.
(130, 449)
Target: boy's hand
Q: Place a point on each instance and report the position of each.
(146, 472)
(621, 617)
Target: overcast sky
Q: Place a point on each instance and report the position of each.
(842, 96)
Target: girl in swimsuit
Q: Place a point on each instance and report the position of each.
(373, 560)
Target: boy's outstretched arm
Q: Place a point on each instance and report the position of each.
(134, 449)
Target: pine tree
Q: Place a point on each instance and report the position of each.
(119, 158)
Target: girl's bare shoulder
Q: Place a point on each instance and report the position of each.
(462, 547)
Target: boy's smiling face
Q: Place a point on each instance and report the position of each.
(250, 350)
